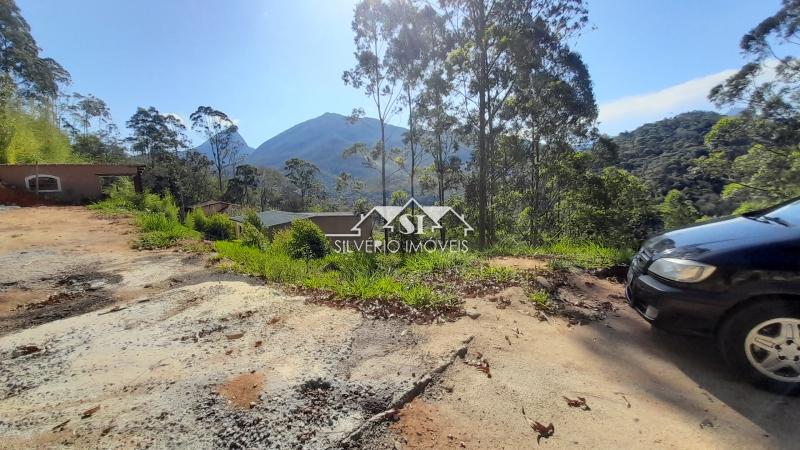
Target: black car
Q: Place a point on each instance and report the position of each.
(736, 279)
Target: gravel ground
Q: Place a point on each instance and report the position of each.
(103, 346)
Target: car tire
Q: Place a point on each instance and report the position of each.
(746, 334)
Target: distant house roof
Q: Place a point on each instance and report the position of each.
(275, 217)
(212, 202)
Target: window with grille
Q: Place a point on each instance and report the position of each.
(47, 183)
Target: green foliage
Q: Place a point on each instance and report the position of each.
(152, 203)
(677, 210)
(399, 198)
(307, 240)
(219, 227)
(377, 286)
(196, 219)
(303, 175)
(34, 76)
(243, 187)
(251, 217)
(121, 198)
(352, 265)
(156, 216)
(160, 231)
(589, 255)
(32, 138)
(541, 298)
(429, 262)
(348, 275)
(281, 239)
(662, 153)
(613, 208)
(565, 253)
(253, 237)
(273, 265)
(758, 175)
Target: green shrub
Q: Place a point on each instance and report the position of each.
(121, 197)
(196, 219)
(251, 217)
(281, 240)
(307, 241)
(252, 237)
(216, 227)
(220, 227)
(153, 203)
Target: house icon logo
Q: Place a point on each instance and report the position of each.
(402, 219)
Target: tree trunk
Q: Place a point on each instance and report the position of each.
(480, 35)
(440, 173)
(411, 137)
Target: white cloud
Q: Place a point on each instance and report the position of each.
(629, 112)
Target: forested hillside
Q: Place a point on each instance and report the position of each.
(663, 153)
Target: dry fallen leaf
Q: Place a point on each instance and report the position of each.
(483, 366)
(234, 336)
(89, 412)
(544, 431)
(579, 403)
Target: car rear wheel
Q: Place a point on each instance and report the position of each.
(762, 341)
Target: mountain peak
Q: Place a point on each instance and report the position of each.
(322, 140)
(236, 140)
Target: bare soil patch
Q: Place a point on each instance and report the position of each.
(243, 389)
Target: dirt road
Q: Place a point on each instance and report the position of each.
(103, 346)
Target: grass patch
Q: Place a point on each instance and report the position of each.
(347, 275)
(425, 263)
(490, 273)
(273, 266)
(160, 231)
(540, 298)
(587, 255)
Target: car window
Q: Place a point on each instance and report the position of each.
(789, 214)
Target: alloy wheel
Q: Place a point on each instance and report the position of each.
(773, 348)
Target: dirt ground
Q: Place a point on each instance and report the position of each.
(103, 346)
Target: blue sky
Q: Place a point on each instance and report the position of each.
(273, 64)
